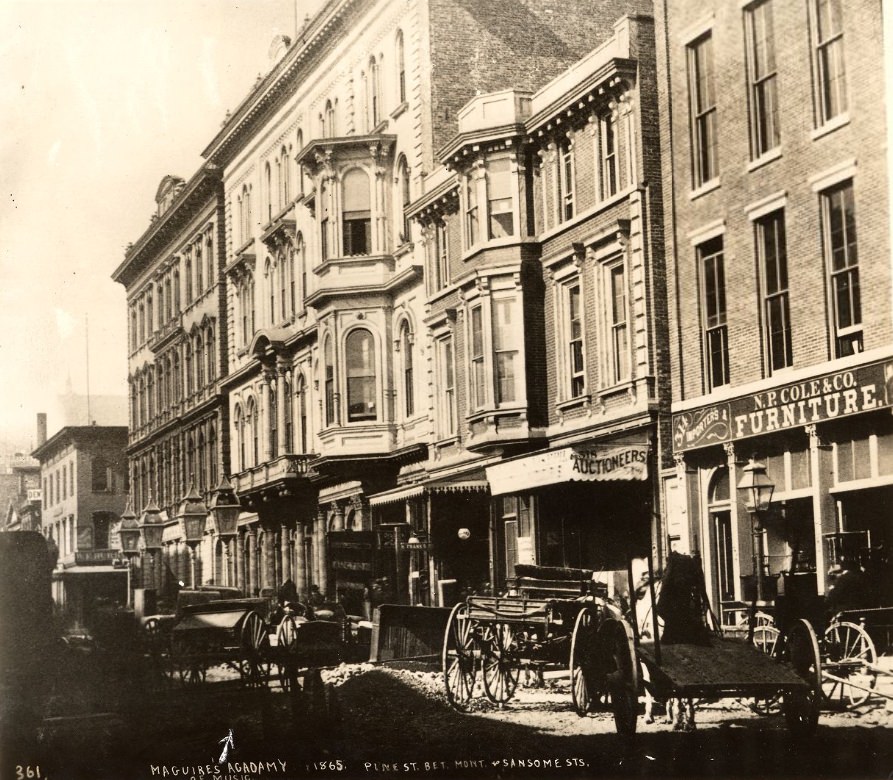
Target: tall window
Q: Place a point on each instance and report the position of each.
(504, 349)
(274, 422)
(209, 352)
(330, 119)
(442, 256)
(188, 362)
(302, 412)
(301, 253)
(269, 273)
(239, 425)
(447, 377)
(268, 189)
(609, 155)
(150, 316)
(576, 366)
(254, 423)
(329, 360)
(199, 361)
(374, 95)
(408, 394)
(499, 198)
(290, 278)
(842, 261)
(565, 181)
(199, 281)
(360, 364)
(703, 110)
(762, 75)
(289, 441)
(471, 209)
(209, 253)
(133, 331)
(478, 376)
(324, 219)
(299, 146)
(189, 279)
(404, 198)
(401, 68)
(357, 214)
(776, 306)
(177, 291)
(284, 177)
(830, 67)
(619, 323)
(716, 336)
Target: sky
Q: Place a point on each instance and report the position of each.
(100, 100)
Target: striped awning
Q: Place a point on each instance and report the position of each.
(414, 491)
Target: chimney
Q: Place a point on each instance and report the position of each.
(41, 428)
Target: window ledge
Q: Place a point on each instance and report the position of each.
(831, 125)
(404, 249)
(764, 159)
(573, 403)
(450, 441)
(706, 187)
(399, 110)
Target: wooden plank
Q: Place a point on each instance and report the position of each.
(724, 664)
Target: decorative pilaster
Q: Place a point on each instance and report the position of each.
(285, 553)
(252, 562)
(264, 432)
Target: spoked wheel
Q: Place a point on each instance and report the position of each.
(287, 644)
(157, 644)
(458, 659)
(187, 658)
(849, 654)
(767, 639)
(500, 663)
(583, 663)
(255, 645)
(801, 705)
(621, 672)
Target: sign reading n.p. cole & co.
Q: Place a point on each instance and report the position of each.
(827, 397)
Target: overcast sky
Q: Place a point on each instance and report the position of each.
(99, 101)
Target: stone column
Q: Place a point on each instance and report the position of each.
(824, 507)
(252, 562)
(239, 548)
(269, 566)
(300, 576)
(264, 432)
(285, 553)
(338, 516)
(320, 539)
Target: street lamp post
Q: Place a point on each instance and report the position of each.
(225, 510)
(152, 528)
(129, 534)
(192, 514)
(756, 489)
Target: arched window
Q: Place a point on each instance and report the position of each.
(199, 273)
(329, 361)
(188, 361)
(289, 442)
(330, 120)
(169, 388)
(150, 317)
(209, 252)
(210, 349)
(302, 270)
(292, 298)
(168, 297)
(300, 146)
(150, 394)
(201, 463)
(246, 200)
(177, 291)
(285, 176)
(199, 361)
(274, 421)
(324, 218)
(239, 426)
(162, 379)
(161, 312)
(360, 364)
(133, 331)
(403, 200)
(190, 459)
(406, 349)
(255, 432)
(301, 392)
(401, 68)
(188, 279)
(268, 189)
(271, 292)
(356, 213)
(142, 323)
(177, 379)
(284, 262)
(374, 95)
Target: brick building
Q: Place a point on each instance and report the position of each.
(774, 148)
(84, 484)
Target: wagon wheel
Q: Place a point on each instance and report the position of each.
(849, 655)
(187, 659)
(583, 663)
(801, 705)
(458, 658)
(254, 643)
(617, 655)
(287, 643)
(500, 667)
(767, 639)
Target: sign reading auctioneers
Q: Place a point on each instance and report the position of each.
(826, 397)
(580, 463)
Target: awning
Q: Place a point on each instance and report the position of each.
(580, 463)
(414, 491)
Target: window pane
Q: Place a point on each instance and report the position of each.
(499, 194)
(360, 362)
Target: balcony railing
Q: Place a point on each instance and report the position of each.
(265, 474)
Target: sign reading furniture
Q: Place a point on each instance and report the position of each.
(827, 397)
(580, 463)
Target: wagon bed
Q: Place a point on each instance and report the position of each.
(725, 666)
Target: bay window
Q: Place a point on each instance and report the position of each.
(478, 377)
(360, 365)
(499, 198)
(356, 214)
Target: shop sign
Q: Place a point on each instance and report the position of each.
(581, 463)
(827, 397)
